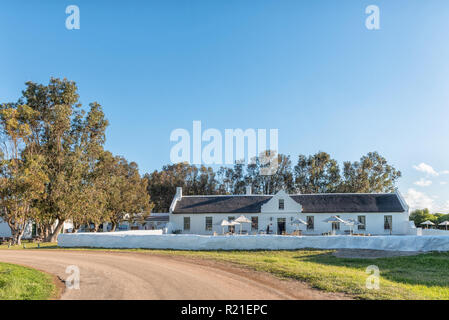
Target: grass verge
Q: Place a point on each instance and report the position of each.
(22, 283)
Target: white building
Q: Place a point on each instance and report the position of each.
(154, 221)
(380, 214)
(5, 230)
(30, 229)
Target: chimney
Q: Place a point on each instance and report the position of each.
(248, 190)
(178, 192)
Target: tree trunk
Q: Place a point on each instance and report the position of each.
(16, 238)
(113, 226)
(45, 231)
(53, 236)
(17, 231)
(41, 231)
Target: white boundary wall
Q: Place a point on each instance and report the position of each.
(149, 240)
(435, 232)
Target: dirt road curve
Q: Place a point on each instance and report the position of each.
(121, 275)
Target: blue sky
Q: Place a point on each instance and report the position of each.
(308, 68)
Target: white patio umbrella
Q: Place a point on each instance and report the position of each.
(351, 223)
(444, 223)
(241, 220)
(298, 221)
(427, 223)
(223, 223)
(334, 219)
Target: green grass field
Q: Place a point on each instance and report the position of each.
(423, 276)
(414, 277)
(21, 283)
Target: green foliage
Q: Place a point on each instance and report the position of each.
(371, 174)
(421, 215)
(162, 184)
(125, 192)
(22, 176)
(52, 165)
(262, 183)
(318, 173)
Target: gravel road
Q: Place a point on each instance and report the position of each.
(127, 275)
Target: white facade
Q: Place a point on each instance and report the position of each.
(5, 230)
(156, 221)
(374, 223)
(272, 214)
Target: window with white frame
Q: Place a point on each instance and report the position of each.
(186, 223)
(254, 223)
(388, 222)
(281, 204)
(310, 222)
(208, 223)
(362, 221)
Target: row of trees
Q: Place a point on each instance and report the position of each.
(317, 173)
(53, 166)
(420, 215)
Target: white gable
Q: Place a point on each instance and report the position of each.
(290, 205)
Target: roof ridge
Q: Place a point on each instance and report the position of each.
(342, 193)
(289, 194)
(229, 195)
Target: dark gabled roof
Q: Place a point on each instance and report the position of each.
(340, 203)
(311, 203)
(220, 204)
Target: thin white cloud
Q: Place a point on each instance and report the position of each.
(429, 170)
(444, 208)
(443, 183)
(423, 167)
(418, 200)
(423, 183)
